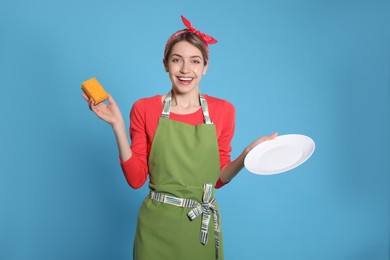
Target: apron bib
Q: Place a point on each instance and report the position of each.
(183, 160)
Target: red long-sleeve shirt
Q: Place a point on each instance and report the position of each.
(144, 117)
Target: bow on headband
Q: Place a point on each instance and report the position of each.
(206, 38)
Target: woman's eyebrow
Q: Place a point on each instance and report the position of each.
(195, 56)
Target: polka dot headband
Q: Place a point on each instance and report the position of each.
(207, 39)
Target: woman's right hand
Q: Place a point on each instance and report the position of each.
(109, 113)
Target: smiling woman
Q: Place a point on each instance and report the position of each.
(181, 141)
(319, 68)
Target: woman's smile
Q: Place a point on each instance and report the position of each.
(185, 80)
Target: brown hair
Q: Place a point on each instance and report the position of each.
(190, 38)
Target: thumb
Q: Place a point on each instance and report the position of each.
(111, 100)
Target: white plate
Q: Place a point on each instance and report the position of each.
(281, 154)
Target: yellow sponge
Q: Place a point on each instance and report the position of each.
(94, 90)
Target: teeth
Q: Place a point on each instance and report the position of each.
(185, 79)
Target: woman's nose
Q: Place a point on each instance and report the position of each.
(184, 67)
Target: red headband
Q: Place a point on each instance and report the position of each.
(206, 38)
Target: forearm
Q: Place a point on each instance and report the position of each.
(231, 169)
(122, 141)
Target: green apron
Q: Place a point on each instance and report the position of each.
(182, 160)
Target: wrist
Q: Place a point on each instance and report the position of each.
(118, 126)
(246, 151)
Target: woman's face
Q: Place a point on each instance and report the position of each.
(186, 67)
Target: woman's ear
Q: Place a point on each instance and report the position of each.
(205, 68)
(165, 65)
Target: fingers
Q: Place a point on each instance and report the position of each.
(269, 137)
(111, 102)
(89, 100)
(91, 105)
(265, 138)
(111, 99)
(273, 136)
(261, 140)
(85, 97)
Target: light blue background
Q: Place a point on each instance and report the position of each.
(319, 68)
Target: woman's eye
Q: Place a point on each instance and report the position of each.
(196, 61)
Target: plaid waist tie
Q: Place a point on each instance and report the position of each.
(204, 208)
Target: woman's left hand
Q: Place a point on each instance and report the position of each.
(260, 140)
(233, 168)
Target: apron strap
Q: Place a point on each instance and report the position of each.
(205, 108)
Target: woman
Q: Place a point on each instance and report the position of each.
(182, 142)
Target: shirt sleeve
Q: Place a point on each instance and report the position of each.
(135, 169)
(226, 136)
